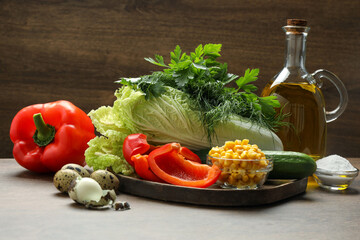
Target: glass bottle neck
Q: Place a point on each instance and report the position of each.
(295, 53)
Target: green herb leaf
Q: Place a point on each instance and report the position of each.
(128, 81)
(268, 104)
(175, 55)
(249, 76)
(212, 50)
(159, 61)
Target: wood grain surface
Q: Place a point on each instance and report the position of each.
(75, 50)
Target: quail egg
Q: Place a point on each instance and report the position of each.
(78, 168)
(63, 179)
(88, 192)
(106, 179)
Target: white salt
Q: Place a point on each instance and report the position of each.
(335, 163)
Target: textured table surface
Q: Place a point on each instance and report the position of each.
(32, 208)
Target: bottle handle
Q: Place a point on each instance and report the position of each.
(334, 114)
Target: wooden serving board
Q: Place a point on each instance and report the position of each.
(272, 191)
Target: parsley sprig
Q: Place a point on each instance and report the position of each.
(206, 80)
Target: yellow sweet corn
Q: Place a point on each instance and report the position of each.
(234, 159)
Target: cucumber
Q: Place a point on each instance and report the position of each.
(290, 165)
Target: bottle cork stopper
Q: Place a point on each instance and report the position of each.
(296, 22)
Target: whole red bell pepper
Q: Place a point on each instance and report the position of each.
(48, 136)
(168, 164)
(142, 168)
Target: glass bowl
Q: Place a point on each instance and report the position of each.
(241, 173)
(335, 180)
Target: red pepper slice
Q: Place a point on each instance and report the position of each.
(134, 144)
(168, 164)
(48, 136)
(142, 168)
(189, 155)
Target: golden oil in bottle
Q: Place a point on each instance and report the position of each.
(304, 103)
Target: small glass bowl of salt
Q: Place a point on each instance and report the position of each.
(335, 172)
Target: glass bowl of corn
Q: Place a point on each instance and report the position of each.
(243, 166)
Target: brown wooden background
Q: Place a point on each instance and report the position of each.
(75, 50)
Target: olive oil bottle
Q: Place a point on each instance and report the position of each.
(301, 98)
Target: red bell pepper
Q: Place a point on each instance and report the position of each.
(134, 144)
(137, 144)
(168, 164)
(189, 155)
(142, 168)
(48, 136)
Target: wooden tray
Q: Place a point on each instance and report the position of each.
(272, 191)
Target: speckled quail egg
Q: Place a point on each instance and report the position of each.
(88, 192)
(63, 179)
(78, 168)
(106, 179)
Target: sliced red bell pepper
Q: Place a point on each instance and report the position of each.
(142, 168)
(168, 164)
(48, 136)
(189, 155)
(134, 144)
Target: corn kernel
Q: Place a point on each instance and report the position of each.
(228, 155)
(214, 150)
(243, 164)
(251, 175)
(263, 163)
(232, 180)
(255, 165)
(239, 151)
(238, 142)
(250, 165)
(245, 142)
(259, 175)
(245, 178)
(238, 146)
(226, 169)
(227, 163)
(229, 144)
(233, 166)
(215, 155)
(252, 155)
(236, 176)
(243, 155)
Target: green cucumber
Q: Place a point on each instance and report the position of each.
(290, 165)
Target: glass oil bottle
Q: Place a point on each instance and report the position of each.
(301, 98)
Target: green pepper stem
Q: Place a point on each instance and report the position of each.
(44, 133)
